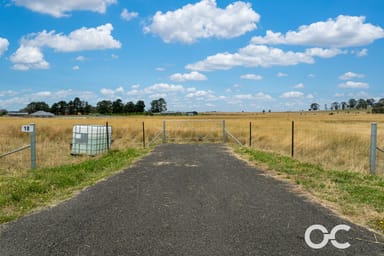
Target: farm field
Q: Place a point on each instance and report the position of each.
(337, 141)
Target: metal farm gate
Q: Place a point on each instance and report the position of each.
(194, 131)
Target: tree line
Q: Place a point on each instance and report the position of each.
(104, 107)
(360, 104)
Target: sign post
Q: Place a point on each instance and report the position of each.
(31, 129)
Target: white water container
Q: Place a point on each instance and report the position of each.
(91, 139)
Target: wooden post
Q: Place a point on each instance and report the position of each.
(33, 145)
(373, 148)
(250, 134)
(293, 140)
(143, 135)
(107, 131)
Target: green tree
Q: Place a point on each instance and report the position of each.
(118, 106)
(335, 105)
(314, 107)
(361, 104)
(140, 106)
(36, 106)
(158, 106)
(130, 107)
(104, 107)
(352, 103)
(344, 105)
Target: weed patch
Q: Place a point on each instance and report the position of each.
(349, 191)
(38, 188)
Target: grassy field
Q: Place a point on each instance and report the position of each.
(331, 160)
(339, 141)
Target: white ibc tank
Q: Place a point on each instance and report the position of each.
(91, 139)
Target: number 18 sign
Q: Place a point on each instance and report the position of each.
(27, 128)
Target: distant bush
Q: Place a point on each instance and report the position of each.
(378, 108)
(3, 112)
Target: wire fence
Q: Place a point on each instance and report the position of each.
(335, 144)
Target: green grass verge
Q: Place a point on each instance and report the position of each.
(43, 187)
(350, 191)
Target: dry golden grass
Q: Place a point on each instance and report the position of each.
(339, 141)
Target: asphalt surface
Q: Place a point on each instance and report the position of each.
(183, 200)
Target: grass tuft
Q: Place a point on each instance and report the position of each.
(38, 188)
(348, 192)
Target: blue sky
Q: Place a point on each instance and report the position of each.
(203, 55)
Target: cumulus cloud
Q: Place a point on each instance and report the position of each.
(4, 43)
(126, 15)
(257, 96)
(362, 53)
(293, 94)
(28, 57)
(112, 93)
(251, 56)
(61, 8)
(203, 20)
(354, 85)
(299, 86)
(193, 76)
(350, 75)
(251, 77)
(163, 88)
(78, 40)
(281, 74)
(344, 31)
(323, 53)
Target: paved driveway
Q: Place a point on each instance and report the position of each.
(183, 200)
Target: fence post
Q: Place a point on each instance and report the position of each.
(32, 136)
(293, 140)
(143, 135)
(224, 132)
(164, 132)
(373, 148)
(250, 134)
(107, 133)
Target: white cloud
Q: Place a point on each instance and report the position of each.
(126, 15)
(350, 75)
(193, 76)
(257, 96)
(112, 93)
(299, 86)
(61, 8)
(252, 56)
(98, 38)
(160, 69)
(293, 94)
(323, 53)
(310, 96)
(362, 53)
(80, 58)
(120, 89)
(76, 67)
(4, 43)
(200, 94)
(163, 87)
(107, 92)
(281, 74)
(354, 85)
(251, 77)
(344, 31)
(28, 57)
(158, 95)
(203, 20)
